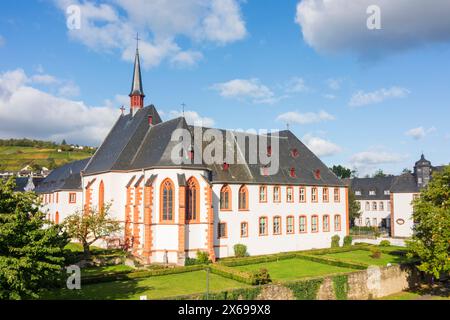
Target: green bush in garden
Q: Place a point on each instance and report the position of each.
(335, 241)
(348, 241)
(240, 250)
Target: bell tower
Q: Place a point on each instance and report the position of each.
(137, 92)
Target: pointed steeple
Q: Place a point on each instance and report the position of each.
(137, 92)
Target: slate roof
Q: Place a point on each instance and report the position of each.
(378, 184)
(22, 182)
(67, 177)
(406, 183)
(134, 144)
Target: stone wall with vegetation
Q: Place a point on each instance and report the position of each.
(375, 282)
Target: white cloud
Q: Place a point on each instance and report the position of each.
(305, 118)
(112, 27)
(296, 85)
(69, 90)
(193, 118)
(245, 89)
(28, 112)
(44, 79)
(362, 98)
(420, 132)
(321, 147)
(374, 157)
(186, 59)
(341, 25)
(334, 84)
(330, 96)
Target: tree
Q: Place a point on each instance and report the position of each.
(88, 227)
(406, 170)
(31, 248)
(342, 172)
(354, 208)
(64, 143)
(379, 174)
(431, 238)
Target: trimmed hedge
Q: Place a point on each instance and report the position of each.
(232, 294)
(121, 276)
(334, 262)
(234, 274)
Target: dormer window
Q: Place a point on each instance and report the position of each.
(387, 192)
(269, 151)
(357, 192)
(372, 193)
(294, 153)
(317, 174)
(292, 173)
(225, 166)
(150, 120)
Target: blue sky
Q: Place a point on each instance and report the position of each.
(363, 98)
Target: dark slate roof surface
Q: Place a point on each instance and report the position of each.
(133, 144)
(378, 184)
(66, 177)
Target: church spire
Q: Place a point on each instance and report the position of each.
(137, 92)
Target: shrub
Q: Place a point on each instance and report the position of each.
(385, 243)
(191, 262)
(375, 253)
(240, 250)
(335, 241)
(348, 241)
(261, 277)
(202, 257)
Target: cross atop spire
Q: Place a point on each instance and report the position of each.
(137, 91)
(137, 41)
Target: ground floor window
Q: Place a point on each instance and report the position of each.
(277, 225)
(337, 223)
(244, 230)
(326, 223)
(302, 224)
(222, 230)
(263, 226)
(290, 225)
(314, 224)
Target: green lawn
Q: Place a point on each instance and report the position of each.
(293, 269)
(153, 287)
(363, 256)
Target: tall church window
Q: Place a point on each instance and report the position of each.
(101, 197)
(192, 200)
(167, 200)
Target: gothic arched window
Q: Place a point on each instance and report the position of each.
(167, 200)
(101, 197)
(192, 200)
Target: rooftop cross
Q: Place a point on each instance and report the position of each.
(122, 108)
(183, 105)
(137, 40)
